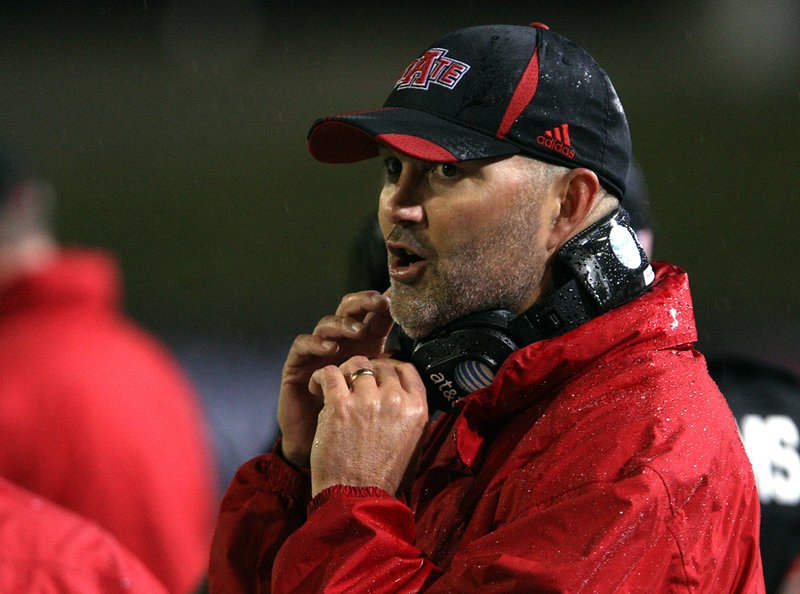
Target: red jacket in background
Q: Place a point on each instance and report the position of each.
(47, 549)
(95, 415)
(604, 460)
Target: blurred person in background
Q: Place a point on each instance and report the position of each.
(95, 414)
(46, 548)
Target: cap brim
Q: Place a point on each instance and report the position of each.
(354, 137)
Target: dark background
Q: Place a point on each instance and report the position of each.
(174, 133)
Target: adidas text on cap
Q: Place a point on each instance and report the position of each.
(492, 91)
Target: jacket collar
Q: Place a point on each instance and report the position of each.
(661, 318)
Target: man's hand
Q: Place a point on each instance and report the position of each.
(359, 327)
(368, 431)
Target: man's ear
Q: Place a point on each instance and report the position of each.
(578, 193)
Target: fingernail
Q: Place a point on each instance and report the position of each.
(356, 326)
(328, 344)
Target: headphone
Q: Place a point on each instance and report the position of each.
(595, 271)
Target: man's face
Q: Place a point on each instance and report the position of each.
(463, 237)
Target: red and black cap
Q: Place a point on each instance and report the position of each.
(493, 91)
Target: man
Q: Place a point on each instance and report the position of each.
(580, 446)
(95, 414)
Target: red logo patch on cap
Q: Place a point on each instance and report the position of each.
(432, 67)
(557, 140)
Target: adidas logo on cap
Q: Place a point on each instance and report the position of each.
(557, 140)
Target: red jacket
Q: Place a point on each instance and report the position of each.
(96, 416)
(604, 460)
(49, 550)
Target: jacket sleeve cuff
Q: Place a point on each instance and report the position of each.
(346, 492)
(286, 481)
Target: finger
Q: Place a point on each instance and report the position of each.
(328, 382)
(308, 345)
(362, 375)
(354, 363)
(333, 327)
(379, 322)
(409, 378)
(384, 373)
(412, 386)
(349, 368)
(358, 305)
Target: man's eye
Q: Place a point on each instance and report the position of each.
(447, 169)
(393, 167)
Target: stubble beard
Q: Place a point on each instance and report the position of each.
(498, 271)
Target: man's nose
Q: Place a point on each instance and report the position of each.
(403, 202)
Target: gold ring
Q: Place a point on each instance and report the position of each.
(359, 373)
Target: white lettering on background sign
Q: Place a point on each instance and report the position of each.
(772, 444)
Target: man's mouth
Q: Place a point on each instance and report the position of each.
(405, 264)
(405, 257)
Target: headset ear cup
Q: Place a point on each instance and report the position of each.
(459, 362)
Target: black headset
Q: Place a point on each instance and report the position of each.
(600, 268)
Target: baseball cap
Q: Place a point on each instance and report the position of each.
(637, 197)
(493, 91)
